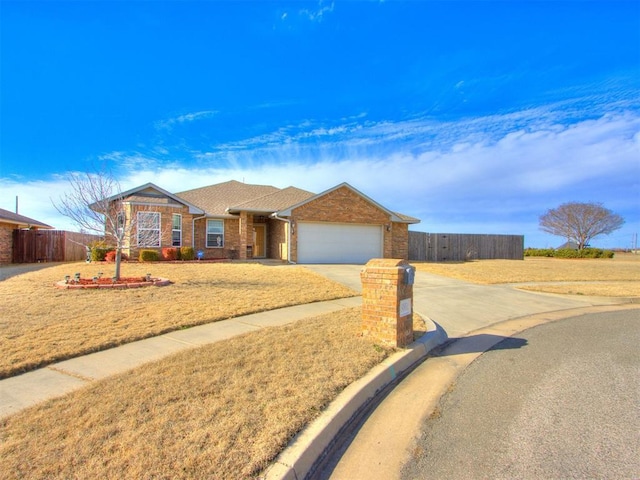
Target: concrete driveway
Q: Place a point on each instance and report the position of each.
(11, 270)
(460, 307)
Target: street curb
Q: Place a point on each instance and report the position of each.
(302, 453)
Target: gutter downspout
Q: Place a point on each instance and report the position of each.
(276, 217)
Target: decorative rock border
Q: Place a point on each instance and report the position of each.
(156, 282)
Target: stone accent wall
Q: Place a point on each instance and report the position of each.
(6, 243)
(383, 291)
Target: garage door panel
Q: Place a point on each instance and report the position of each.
(338, 243)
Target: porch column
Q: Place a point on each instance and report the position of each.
(243, 230)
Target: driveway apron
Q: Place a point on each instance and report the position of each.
(460, 307)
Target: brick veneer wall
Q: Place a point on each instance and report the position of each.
(343, 205)
(166, 224)
(277, 239)
(383, 288)
(399, 241)
(6, 243)
(231, 247)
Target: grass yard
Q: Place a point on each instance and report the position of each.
(223, 411)
(616, 277)
(40, 324)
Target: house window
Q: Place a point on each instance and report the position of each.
(148, 229)
(176, 230)
(215, 233)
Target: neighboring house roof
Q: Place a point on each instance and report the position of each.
(571, 245)
(216, 199)
(394, 216)
(25, 222)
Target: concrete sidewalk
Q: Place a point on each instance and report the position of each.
(22, 391)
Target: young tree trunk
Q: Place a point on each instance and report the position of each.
(118, 259)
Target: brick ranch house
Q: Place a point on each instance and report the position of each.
(238, 220)
(9, 222)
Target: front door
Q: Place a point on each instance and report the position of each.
(259, 241)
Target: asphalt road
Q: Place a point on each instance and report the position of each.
(561, 400)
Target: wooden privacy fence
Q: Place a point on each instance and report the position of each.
(32, 246)
(457, 247)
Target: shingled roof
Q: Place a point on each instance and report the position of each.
(216, 199)
(274, 201)
(230, 198)
(407, 218)
(7, 216)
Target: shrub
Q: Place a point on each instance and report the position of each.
(187, 253)
(566, 253)
(111, 256)
(149, 256)
(171, 253)
(98, 249)
(98, 254)
(569, 253)
(597, 253)
(538, 252)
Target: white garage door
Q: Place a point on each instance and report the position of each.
(338, 243)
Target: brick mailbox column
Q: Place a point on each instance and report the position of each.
(387, 301)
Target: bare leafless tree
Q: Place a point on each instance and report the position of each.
(580, 222)
(96, 205)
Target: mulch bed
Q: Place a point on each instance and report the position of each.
(106, 282)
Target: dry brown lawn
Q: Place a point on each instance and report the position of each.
(40, 324)
(619, 276)
(222, 411)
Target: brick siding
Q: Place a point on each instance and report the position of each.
(166, 224)
(343, 205)
(383, 288)
(6, 243)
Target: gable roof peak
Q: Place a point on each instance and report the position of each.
(393, 215)
(153, 186)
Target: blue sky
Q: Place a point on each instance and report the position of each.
(475, 117)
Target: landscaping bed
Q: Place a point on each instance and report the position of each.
(122, 282)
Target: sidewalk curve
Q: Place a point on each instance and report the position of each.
(22, 391)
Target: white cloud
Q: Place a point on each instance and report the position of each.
(317, 14)
(186, 118)
(488, 175)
